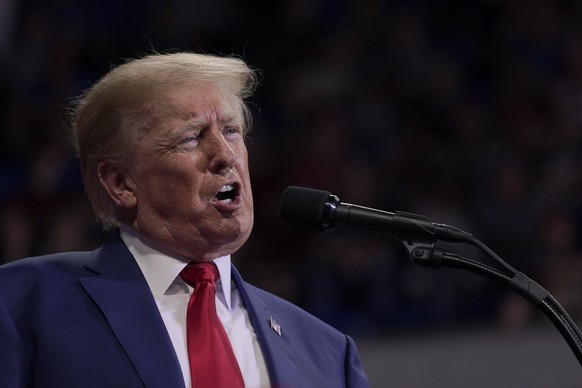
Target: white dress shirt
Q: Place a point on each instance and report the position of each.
(160, 269)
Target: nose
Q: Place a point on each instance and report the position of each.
(221, 156)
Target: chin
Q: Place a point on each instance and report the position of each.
(241, 237)
(231, 239)
(236, 243)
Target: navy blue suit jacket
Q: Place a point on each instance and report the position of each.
(88, 319)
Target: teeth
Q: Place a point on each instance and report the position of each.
(225, 194)
(225, 188)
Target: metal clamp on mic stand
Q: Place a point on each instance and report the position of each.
(420, 244)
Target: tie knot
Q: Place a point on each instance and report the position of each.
(195, 273)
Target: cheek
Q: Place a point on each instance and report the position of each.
(163, 181)
(243, 163)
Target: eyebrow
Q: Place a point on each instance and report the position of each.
(192, 125)
(197, 123)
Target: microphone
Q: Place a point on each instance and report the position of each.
(322, 211)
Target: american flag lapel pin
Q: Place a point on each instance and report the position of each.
(275, 326)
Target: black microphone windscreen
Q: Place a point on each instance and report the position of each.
(303, 207)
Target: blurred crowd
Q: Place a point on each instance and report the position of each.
(467, 112)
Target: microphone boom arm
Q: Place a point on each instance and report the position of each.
(424, 252)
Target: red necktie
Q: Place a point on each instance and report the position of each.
(212, 361)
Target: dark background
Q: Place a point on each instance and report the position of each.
(467, 112)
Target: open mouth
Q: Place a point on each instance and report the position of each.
(227, 193)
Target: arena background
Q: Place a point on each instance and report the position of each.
(467, 112)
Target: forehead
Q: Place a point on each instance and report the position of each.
(200, 100)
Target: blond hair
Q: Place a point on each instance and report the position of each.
(108, 118)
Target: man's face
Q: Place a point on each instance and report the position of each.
(191, 175)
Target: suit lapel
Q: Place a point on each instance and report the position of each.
(127, 304)
(275, 346)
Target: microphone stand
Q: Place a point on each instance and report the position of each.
(421, 249)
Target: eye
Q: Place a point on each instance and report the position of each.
(190, 138)
(189, 141)
(230, 132)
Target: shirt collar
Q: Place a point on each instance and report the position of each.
(161, 267)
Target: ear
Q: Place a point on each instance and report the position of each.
(117, 185)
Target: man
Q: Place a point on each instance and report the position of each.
(164, 162)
